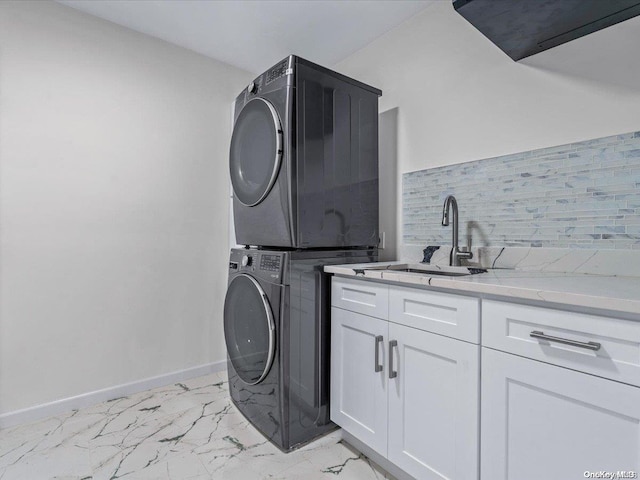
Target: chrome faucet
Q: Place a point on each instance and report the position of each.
(456, 252)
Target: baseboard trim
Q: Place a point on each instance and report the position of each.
(63, 405)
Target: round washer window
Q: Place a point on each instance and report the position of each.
(249, 330)
(256, 151)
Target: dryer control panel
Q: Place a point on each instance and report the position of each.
(278, 76)
(278, 71)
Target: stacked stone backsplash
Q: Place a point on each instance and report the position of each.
(581, 195)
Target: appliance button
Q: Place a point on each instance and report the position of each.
(252, 88)
(246, 261)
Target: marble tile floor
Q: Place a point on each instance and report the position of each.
(186, 431)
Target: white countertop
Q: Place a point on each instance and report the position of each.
(618, 294)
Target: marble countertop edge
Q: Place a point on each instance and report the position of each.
(616, 294)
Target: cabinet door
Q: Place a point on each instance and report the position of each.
(434, 405)
(358, 388)
(543, 421)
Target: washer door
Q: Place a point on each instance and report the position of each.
(256, 151)
(249, 330)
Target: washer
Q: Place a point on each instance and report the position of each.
(304, 159)
(276, 327)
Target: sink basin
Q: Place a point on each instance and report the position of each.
(430, 270)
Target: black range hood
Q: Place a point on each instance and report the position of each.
(525, 27)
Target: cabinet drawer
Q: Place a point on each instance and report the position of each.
(455, 316)
(360, 296)
(508, 327)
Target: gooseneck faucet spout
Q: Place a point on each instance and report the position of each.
(450, 203)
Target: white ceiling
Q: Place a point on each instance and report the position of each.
(255, 34)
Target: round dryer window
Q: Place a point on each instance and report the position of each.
(249, 330)
(256, 151)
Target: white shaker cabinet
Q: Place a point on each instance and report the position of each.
(358, 379)
(549, 394)
(409, 394)
(433, 405)
(544, 421)
(559, 393)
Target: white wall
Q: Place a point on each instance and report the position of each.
(113, 204)
(460, 98)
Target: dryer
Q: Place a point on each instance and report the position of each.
(277, 335)
(304, 159)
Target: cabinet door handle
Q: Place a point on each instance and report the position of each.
(392, 372)
(377, 366)
(588, 345)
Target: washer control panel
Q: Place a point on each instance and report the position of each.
(265, 265)
(270, 263)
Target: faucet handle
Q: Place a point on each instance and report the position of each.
(466, 249)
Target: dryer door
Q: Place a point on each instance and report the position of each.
(249, 329)
(256, 151)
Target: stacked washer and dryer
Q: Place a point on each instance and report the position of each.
(304, 170)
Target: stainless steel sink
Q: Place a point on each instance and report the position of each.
(430, 270)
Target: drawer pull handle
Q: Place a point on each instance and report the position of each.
(378, 367)
(588, 345)
(392, 373)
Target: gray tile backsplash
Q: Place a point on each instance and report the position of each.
(581, 195)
